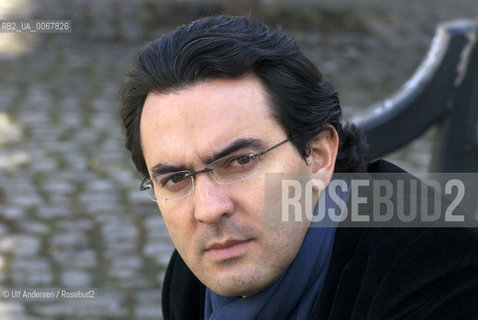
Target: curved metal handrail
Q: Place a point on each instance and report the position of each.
(427, 96)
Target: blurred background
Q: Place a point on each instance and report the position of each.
(71, 214)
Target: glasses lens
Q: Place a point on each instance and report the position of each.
(173, 186)
(235, 168)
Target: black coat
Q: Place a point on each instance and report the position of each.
(374, 273)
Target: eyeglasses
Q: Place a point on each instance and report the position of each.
(231, 169)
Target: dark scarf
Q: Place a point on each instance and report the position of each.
(295, 293)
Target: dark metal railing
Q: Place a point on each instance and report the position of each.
(443, 91)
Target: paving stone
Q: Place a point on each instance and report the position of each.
(34, 118)
(76, 162)
(111, 158)
(93, 197)
(124, 177)
(10, 160)
(97, 207)
(105, 304)
(57, 187)
(71, 119)
(129, 262)
(137, 197)
(123, 273)
(96, 307)
(151, 296)
(101, 186)
(115, 248)
(49, 212)
(101, 119)
(99, 202)
(8, 95)
(152, 312)
(43, 164)
(77, 61)
(109, 92)
(20, 317)
(3, 271)
(11, 309)
(119, 230)
(21, 245)
(12, 213)
(3, 228)
(61, 200)
(20, 188)
(77, 176)
(46, 133)
(23, 203)
(77, 258)
(75, 278)
(74, 225)
(163, 259)
(86, 138)
(126, 282)
(10, 132)
(37, 100)
(69, 240)
(30, 272)
(156, 228)
(56, 146)
(160, 252)
(101, 103)
(69, 104)
(34, 227)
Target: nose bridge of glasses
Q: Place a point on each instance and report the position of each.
(211, 170)
(192, 174)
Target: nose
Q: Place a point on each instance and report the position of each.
(211, 201)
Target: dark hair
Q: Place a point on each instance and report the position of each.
(301, 100)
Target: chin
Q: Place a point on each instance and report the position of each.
(234, 291)
(244, 286)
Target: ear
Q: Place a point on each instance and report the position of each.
(323, 152)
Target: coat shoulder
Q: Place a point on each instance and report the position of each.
(182, 293)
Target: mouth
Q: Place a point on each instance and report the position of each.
(227, 250)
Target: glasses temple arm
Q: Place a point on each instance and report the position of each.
(275, 146)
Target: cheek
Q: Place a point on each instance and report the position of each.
(249, 199)
(179, 228)
(280, 241)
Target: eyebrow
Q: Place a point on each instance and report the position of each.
(241, 143)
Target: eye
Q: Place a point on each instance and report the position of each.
(237, 163)
(174, 181)
(242, 160)
(177, 178)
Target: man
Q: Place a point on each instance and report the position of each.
(211, 108)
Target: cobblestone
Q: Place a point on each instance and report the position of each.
(12, 308)
(71, 214)
(31, 272)
(20, 245)
(83, 258)
(47, 211)
(69, 240)
(76, 278)
(34, 227)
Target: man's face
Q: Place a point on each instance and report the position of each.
(220, 230)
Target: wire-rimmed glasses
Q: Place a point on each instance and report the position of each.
(233, 168)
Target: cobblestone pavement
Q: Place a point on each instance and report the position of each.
(71, 215)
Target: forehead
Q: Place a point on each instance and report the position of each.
(200, 119)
